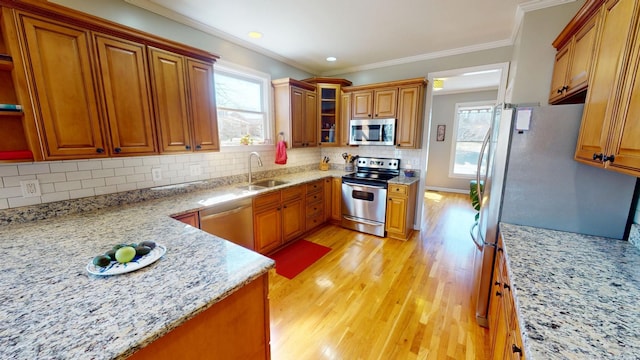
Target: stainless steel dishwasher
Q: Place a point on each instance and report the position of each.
(231, 221)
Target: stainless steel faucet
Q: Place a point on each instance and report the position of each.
(259, 163)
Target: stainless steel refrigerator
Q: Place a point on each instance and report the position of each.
(530, 178)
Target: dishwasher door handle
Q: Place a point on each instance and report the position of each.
(224, 213)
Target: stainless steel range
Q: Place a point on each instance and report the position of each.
(364, 194)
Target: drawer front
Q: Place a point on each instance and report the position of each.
(291, 193)
(314, 197)
(398, 189)
(314, 208)
(314, 221)
(315, 186)
(267, 200)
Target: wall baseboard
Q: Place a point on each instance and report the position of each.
(436, 188)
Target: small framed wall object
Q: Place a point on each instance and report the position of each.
(440, 133)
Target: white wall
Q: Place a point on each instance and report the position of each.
(443, 112)
(533, 55)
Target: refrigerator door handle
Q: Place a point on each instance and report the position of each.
(473, 235)
(480, 158)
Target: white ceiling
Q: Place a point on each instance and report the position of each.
(362, 34)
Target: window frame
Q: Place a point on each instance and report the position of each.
(452, 153)
(264, 79)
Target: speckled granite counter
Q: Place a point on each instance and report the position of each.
(577, 296)
(52, 308)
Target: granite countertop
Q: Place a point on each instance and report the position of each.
(577, 296)
(52, 307)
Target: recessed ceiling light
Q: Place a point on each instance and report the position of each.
(255, 34)
(331, 58)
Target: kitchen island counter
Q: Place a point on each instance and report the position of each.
(577, 296)
(53, 308)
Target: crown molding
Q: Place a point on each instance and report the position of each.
(170, 14)
(423, 57)
(519, 15)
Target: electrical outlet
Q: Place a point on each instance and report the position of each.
(156, 174)
(196, 170)
(30, 188)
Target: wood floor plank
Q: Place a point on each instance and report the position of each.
(377, 298)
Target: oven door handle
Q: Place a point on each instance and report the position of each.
(368, 222)
(362, 185)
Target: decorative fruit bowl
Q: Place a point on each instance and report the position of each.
(139, 261)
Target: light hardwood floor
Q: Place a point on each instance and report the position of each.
(375, 298)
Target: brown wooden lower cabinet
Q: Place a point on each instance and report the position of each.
(336, 200)
(278, 218)
(235, 328)
(191, 218)
(401, 207)
(506, 339)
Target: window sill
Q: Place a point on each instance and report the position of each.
(239, 148)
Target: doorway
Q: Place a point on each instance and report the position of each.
(485, 83)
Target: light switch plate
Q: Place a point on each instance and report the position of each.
(196, 170)
(156, 174)
(30, 188)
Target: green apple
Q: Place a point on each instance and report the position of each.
(125, 254)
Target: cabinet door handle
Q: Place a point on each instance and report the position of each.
(117, 150)
(560, 91)
(198, 147)
(497, 283)
(516, 349)
(99, 150)
(498, 293)
(610, 158)
(188, 147)
(598, 156)
(506, 287)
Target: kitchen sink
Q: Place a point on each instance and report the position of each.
(251, 187)
(269, 183)
(260, 185)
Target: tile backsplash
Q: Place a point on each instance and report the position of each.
(74, 179)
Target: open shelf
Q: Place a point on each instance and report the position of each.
(11, 113)
(6, 63)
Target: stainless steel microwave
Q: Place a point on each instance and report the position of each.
(372, 132)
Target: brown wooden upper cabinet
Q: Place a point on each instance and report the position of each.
(574, 61)
(374, 104)
(183, 92)
(91, 88)
(296, 111)
(330, 109)
(402, 100)
(126, 96)
(59, 70)
(202, 105)
(609, 135)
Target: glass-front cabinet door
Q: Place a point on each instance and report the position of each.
(330, 121)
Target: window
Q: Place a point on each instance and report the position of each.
(242, 102)
(471, 124)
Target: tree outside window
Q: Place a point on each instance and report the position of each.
(471, 124)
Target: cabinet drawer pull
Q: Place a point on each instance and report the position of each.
(516, 349)
(498, 293)
(99, 150)
(610, 158)
(506, 287)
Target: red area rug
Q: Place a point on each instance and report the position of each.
(296, 257)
